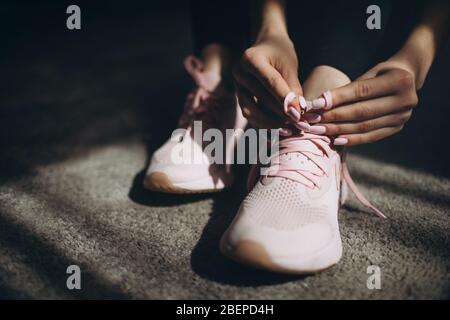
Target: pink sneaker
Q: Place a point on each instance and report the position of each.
(215, 108)
(288, 222)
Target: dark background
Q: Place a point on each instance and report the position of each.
(122, 75)
(64, 94)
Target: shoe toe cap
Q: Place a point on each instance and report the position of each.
(301, 250)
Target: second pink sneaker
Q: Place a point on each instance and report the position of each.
(181, 165)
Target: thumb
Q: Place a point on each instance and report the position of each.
(294, 84)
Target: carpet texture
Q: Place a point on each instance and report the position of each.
(80, 117)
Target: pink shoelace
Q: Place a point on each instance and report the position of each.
(203, 97)
(316, 149)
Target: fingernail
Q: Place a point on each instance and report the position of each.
(295, 115)
(308, 105)
(318, 129)
(285, 132)
(340, 141)
(319, 103)
(303, 126)
(303, 103)
(294, 104)
(312, 117)
(328, 99)
(291, 101)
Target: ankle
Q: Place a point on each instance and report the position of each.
(217, 64)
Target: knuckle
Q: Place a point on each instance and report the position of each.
(330, 116)
(408, 100)
(337, 97)
(363, 112)
(366, 126)
(362, 89)
(357, 139)
(332, 129)
(405, 116)
(405, 80)
(413, 99)
(250, 55)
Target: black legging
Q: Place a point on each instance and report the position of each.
(325, 32)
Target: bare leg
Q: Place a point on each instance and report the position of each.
(323, 78)
(217, 60)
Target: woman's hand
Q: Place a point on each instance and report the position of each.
(373, 107)
(268, 71)
(380, 102)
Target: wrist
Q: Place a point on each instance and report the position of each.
(417, 54)
(415, 61)
(272, 20)
(272, 31)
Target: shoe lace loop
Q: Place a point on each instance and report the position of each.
(203, 97)
(316, 149)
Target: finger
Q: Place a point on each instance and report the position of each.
(311, 117)
(303, 126)
(391, 120)
(294, 84)
(365, 110)
(266, 99)
(249, 82)
(358, 90)
(368, 137)
(270, 78)
(253, 113)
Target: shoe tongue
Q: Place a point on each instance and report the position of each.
(296, 159)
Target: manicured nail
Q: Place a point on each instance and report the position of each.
(291, 101)
(340, 141)
(312, 117)
(295, 115)
(294, 104)
(303, 126)
(308, 105)
(319, 103)
(328, 99)
(318, 129)
(285, 132)
(303, 103)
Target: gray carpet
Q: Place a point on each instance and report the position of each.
(81, 115)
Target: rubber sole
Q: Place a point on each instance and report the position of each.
(253, 254)
(160, 182)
